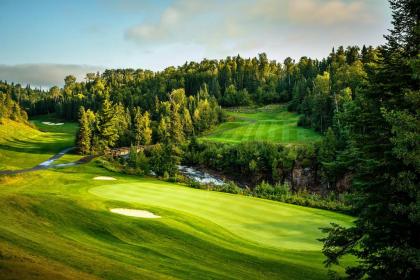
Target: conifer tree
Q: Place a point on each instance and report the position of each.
(108, 131)
(384, 140)
(85, 133)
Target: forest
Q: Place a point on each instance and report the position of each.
(363, 100)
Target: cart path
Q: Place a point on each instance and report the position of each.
(49, 163)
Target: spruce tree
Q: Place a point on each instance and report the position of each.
(384, 140)
(85, 134)
(108, 131)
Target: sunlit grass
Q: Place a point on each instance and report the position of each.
(22, 146)
(270, 123)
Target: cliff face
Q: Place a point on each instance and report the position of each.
(308, 178)
(298, 176)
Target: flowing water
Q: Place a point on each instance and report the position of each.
(200, 176)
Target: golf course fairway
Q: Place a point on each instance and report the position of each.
(269, 123)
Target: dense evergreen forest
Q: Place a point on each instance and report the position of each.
(364, 100)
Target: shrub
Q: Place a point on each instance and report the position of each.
(229, 187)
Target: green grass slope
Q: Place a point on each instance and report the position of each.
(56, 224)
(22, 146)
(269, 123)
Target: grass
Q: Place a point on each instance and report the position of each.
(270, 123)
(56, 223)
(22, 146)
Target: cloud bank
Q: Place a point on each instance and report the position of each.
(223, 27)
(44, 75)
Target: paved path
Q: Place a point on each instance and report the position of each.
(48, 163)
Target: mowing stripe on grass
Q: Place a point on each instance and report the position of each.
(270, 123)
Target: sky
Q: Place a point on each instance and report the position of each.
(42, 41)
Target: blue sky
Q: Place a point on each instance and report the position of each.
(43, 40)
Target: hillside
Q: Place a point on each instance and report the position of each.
(23, 146)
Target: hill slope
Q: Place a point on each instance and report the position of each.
(22, 146)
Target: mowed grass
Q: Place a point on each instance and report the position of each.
(264, 222)
(56, 224)
(60, 219)
(22, 146)
(270, 123)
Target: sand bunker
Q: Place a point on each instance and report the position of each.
(104, 178)
(51, 123)
(134, 213)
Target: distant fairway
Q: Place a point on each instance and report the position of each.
(22, 146)
(270, 123)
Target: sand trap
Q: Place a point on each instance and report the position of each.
(51, 123)
(104, 178)
(134, 213)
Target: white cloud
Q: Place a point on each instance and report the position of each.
(44, 75)
(328, 12)
(223, 27)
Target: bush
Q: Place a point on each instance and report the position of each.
(229, 187)
(163, 160)
(264, 190)
(193, 184)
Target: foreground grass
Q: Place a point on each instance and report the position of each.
(269, 123)
(60, 218)
(56, 224)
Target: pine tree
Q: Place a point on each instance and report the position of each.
(122, 123)
(84, 136)
(108, 131)
(384, 140)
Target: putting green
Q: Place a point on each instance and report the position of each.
(270, 123)
(263, 222)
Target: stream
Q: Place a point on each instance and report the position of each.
(200, 176)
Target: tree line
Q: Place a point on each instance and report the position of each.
(318, 89)
(172, 122)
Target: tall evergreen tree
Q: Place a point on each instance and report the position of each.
(385, 139)
(84, 136)
(108, 131)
